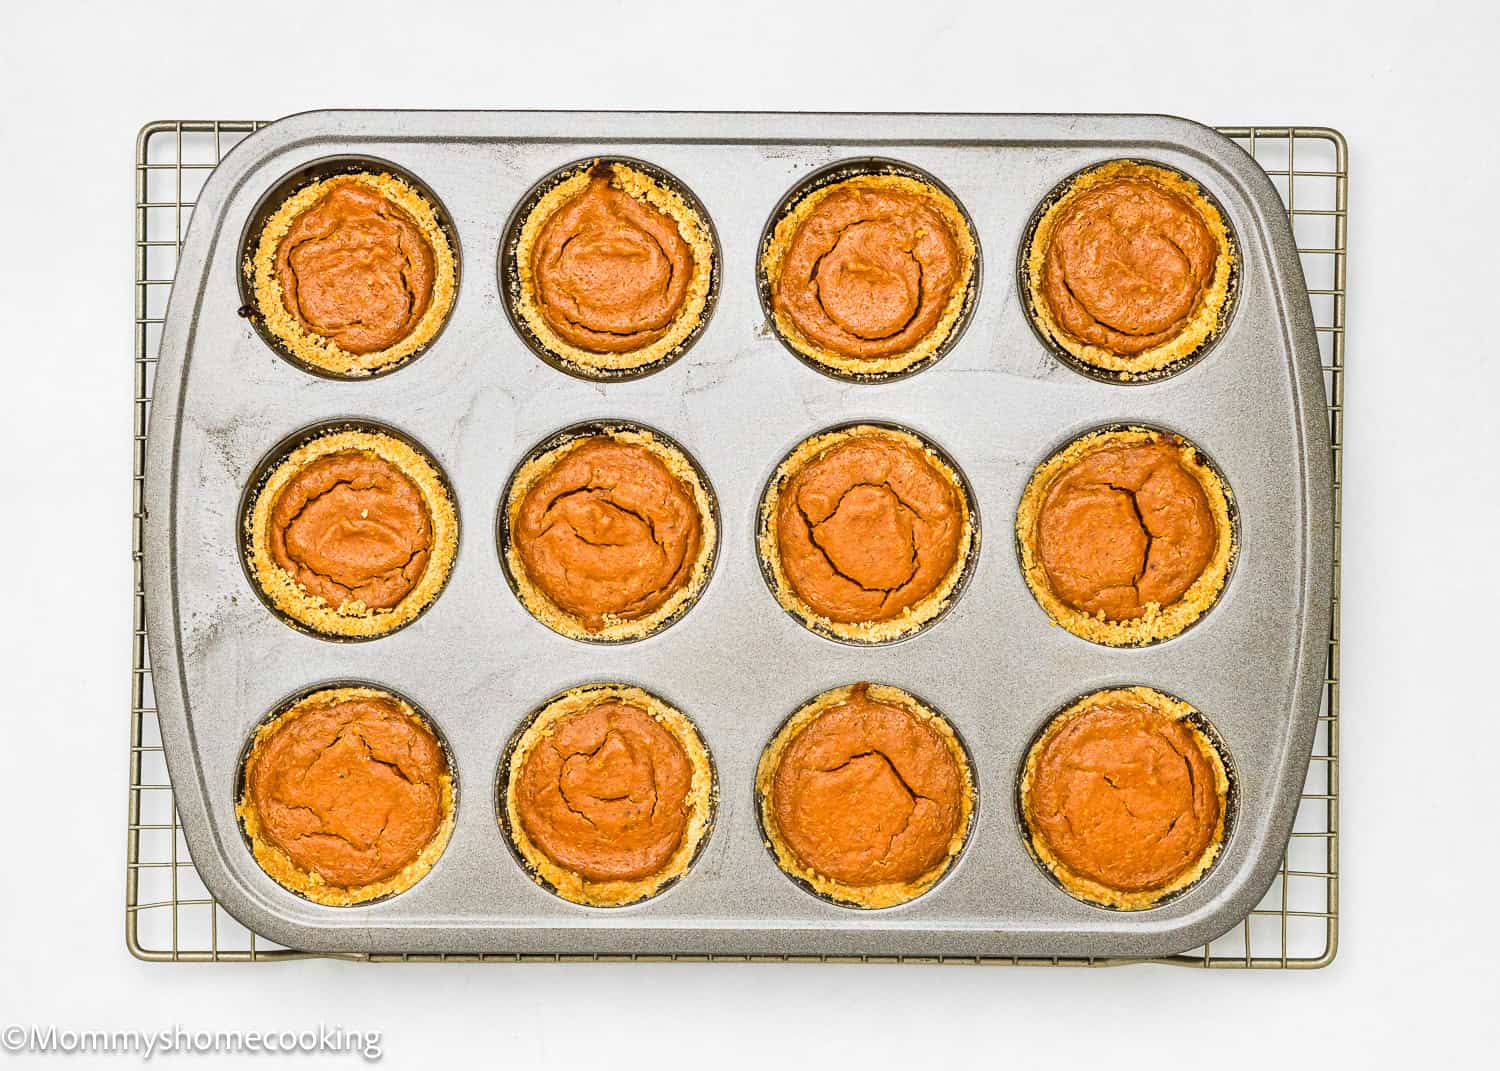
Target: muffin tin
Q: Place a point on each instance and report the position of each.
(999, 402)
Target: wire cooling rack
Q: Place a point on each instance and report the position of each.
(171, 916)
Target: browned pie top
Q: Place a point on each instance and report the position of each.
(355, 268)
(352, 527)
(611, 270)
(869, 271)
(605, 793)
(868, 528)
(1123, 527)
(350, 790)
(1128, 265)
(609, 529)
(868, 793)
(1123, 795)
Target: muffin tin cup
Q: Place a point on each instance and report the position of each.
(587, 429)
(317, 171)
(843, 171)
(291, 701)
(758, 804)
(966, 570)
(502, 811)
(1109, 375)
(510, 277)
(998, 402)
(268, 464)
(1198, 720)
(1229, 501)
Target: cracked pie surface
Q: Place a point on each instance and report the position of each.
(866, 795)
(1130, 269)
(1125, 536)
(614, 269)
(609, 536)
(1124, 798)
(870, 275)
(354, 274)
(609, 794)
(866, 533)
(347, 796)
(352, 534)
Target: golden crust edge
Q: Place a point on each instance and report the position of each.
(913, 617)
(1205, 324)
(322, 352)
(353, 619)
(701, 795)
(781, 237)
(1085, 888)
(1157, 623)
(616, 629)
(885, 894)
(279, 866)
(690, 225)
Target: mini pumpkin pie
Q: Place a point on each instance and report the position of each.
(609, 794)
(870, 275)
(353, 274)
(866, 533)
(610, 535)
(347, 796)
(1124, 798)
(614, 269)
(1130, 269)
(1125, 536)
(865, 795)
(352, 533)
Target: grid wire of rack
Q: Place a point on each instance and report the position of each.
(171, 916)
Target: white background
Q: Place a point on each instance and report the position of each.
(1412, 87)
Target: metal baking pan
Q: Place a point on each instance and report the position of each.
(998, 403)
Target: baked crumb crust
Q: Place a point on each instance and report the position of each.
(352, 619)
(1086, 888)
(885, 894)
(616, 629)
(912, 618)
(324, 353)
(1212, 314)
(1158, 623)
(786, 228)
(279, 865)
(701, 797)
(690, 225)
